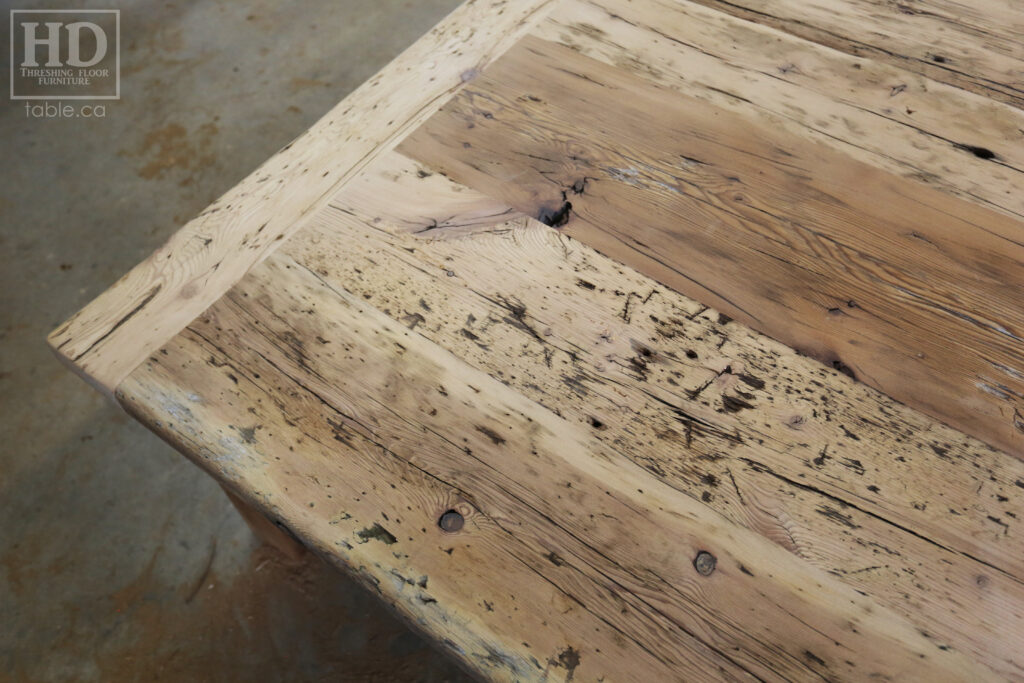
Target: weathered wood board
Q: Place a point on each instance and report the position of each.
(915, 292)
(156, 299)
(526, 296)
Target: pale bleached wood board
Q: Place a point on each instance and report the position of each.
(302, 364)
(881, 498)
(369, 504)
(914, 290)
(110, 336)
(889, 117)
(914, 514)
(972, 45)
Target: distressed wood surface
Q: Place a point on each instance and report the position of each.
(914, 291)
(415, 342)
(550, 503)
(108, 338)
(898, 120)
(975, 46)
(533, 376)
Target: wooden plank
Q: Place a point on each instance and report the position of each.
(913, 291)
(618, 544)
(373, 509)
(975, 46)
(915, 515)
(897, 120)
(108, 338)
(595, 317)
(912, 515)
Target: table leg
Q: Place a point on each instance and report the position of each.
(265, 529)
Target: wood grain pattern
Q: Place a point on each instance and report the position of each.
(789, 461)
(108, 338)
(975, 46)
(358, 342)
(916, 292)
(897, 120)
(619, 545)
(915, 517)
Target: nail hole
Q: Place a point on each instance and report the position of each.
(451, 521)
(704, 563)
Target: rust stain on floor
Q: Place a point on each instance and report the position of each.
(171, 147)
(273, 621)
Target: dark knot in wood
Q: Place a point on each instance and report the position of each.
(555, 217)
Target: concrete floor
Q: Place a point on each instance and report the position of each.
(118, 559)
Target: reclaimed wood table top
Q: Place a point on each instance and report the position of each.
(631, 340)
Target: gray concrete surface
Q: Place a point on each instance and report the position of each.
(118, 559)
